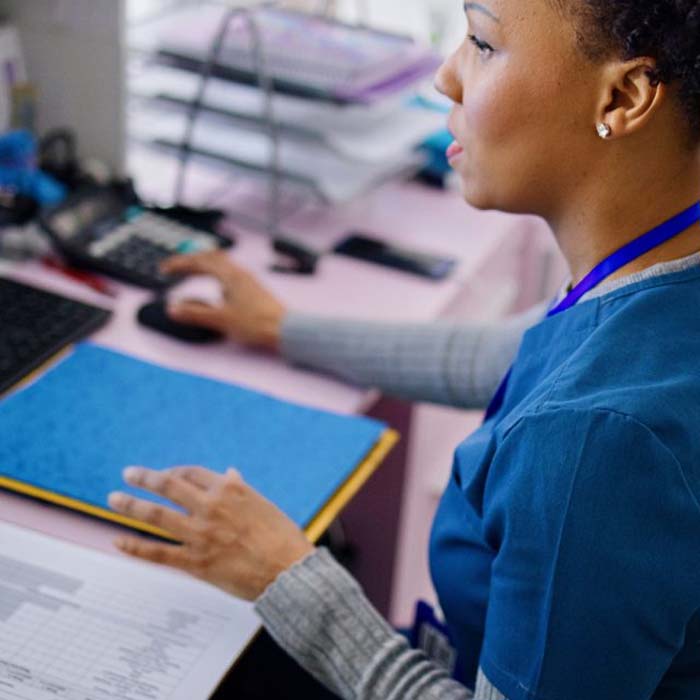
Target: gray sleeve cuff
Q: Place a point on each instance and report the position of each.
(317, 612)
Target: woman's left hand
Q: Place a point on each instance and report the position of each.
(231, 536)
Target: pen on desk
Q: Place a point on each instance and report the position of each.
(93, 281)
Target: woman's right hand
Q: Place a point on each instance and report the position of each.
(249, 313)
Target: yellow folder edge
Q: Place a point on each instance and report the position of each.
(314, 531)
(349, 489)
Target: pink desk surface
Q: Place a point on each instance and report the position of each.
(409, 214)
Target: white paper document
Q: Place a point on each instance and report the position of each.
(336, 179)
(76, 624)
(369, 134)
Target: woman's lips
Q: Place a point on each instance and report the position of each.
(454, 150)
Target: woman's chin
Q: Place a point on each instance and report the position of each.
(474, 194)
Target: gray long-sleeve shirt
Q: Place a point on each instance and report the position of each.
(455, 364)
(315, 610)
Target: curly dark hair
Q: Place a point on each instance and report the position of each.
(665, 30)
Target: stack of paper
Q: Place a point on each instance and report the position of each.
(379, 133)
(306, 160)
(342, 104)
(305, 54)
(77, 625)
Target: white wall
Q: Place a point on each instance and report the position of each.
(440, 22)
(73, 51)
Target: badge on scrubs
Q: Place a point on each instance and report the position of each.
(433, 638)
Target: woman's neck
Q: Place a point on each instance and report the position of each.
(602, 222)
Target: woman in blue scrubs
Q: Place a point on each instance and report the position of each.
(566, 549)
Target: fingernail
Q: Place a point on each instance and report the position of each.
(235, 476)
(132, 474)
(116, 500)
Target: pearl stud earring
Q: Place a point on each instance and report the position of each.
(604, 130)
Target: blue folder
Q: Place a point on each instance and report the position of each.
(71, 433)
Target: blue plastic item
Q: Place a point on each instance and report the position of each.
(19, 171)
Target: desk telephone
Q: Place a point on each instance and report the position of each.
(109, 230)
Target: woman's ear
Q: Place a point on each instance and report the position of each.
(630, 96)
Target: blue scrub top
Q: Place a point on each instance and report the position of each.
(566, 549)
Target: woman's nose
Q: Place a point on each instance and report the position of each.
(447, 80)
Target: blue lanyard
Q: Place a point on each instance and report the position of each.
(625, 255)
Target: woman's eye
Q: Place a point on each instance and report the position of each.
(483, 48)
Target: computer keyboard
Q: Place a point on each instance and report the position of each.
(34, 325)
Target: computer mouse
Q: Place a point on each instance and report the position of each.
(154, 315)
